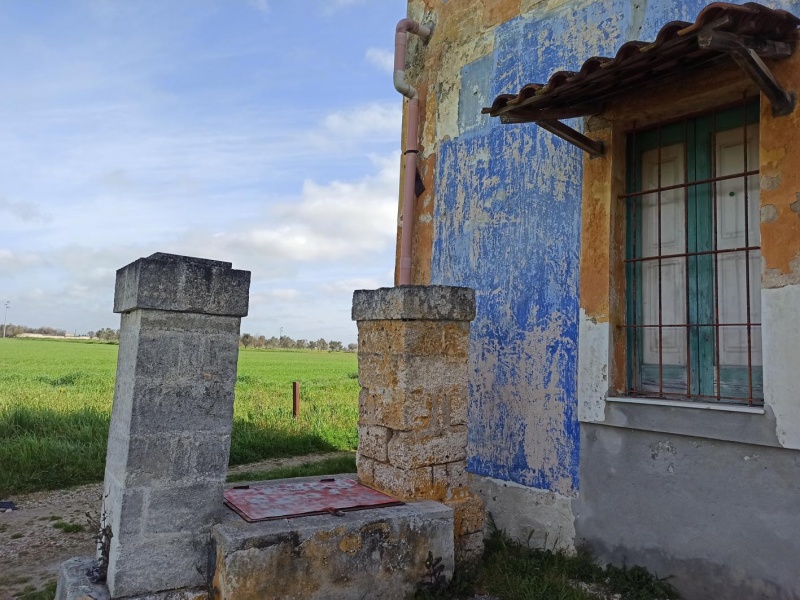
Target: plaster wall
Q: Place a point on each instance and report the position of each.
(719, 517)
(502, 214)
(506, 222)
(530, 516)
(780, 309)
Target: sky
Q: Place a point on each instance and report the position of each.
(261, 132)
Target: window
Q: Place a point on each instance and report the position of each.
(693, 259)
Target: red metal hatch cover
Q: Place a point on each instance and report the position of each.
(266, 501)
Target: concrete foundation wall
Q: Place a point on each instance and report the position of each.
(530, 516)
(720, 517)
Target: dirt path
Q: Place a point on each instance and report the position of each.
(35, 539)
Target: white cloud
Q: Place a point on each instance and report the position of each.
(12, 262)
(275, 296)
(260, 5)
(303, 252)
(335, 221)
(383, 59)
(376, 120)
(27, 212)
(348, 286)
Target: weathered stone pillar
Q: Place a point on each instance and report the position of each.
(413, 347)
(169, 439)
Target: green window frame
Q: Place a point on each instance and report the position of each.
(700, 377)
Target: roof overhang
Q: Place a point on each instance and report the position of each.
(744, 33)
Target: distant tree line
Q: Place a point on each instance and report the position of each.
(247, 340)
(14, 330)
(259, 341)
(107, 334)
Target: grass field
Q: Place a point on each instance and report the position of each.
(55, 402)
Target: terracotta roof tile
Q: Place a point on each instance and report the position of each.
(636, 64)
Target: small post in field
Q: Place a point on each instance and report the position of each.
(295, 399)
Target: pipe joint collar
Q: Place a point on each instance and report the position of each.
(411, 26)
(402, 86)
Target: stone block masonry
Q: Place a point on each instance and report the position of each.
(377, 553)
(169, 438)
(413, 346)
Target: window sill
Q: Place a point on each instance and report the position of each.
(705, 420)
(721, 406)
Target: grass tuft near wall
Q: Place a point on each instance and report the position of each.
(327, 466)
(56, 396)
(515, 571)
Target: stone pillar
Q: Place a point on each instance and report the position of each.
(169, 439)
(413, 349)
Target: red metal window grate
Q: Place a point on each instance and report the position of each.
(693, 258)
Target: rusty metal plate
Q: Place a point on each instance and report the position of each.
(266, 501)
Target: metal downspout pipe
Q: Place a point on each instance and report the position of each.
(404, 27)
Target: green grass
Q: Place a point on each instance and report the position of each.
(513, 571)
(328, 466)
(55, 403)
(48, 592)
(69, 527)
(9, 580)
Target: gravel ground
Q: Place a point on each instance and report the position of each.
(32, 544)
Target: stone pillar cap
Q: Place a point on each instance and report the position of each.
(415, 303)
(182, 284)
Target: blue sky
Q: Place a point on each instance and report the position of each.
(261, 132)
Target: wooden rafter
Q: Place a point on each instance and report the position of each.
(747, 52)
(594, 147)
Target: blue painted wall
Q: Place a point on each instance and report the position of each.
(507, 223)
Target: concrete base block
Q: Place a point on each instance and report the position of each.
(74, 584)
(376, 553)
(469, 547)
(542, 519)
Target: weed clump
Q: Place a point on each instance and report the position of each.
(30, 592)
(69, 527)
(511, 570)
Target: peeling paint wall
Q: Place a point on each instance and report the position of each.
(506, 207)
(507, 223)
(502, 214)
(510, 231)
(506, 219)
